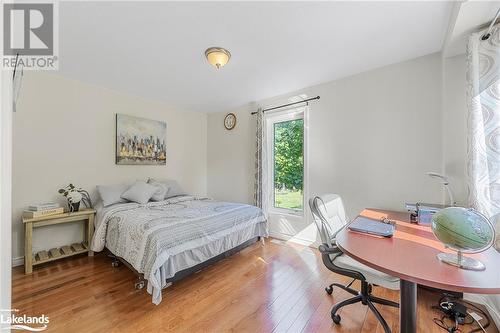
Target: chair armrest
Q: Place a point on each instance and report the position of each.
(325, 249)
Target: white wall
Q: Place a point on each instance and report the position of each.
(231, 157)
(455, 125)
(372, 137)
(64, 131)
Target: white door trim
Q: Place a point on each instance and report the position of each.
(287, 224)
(276, 117)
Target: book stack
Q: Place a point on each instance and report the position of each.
(46, 209)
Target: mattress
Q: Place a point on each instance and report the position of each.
(162, 238)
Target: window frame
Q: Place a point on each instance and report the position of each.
(271, 120)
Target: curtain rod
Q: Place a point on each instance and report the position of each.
(289, 104)
(488, 33)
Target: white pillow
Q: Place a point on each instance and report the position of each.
(161, 191)
(140, 192)
(173, 187)
(111, 194)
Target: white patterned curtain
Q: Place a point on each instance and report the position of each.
(483, 141)
(483, 102)
(261, 192)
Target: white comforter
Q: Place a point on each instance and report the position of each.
(161, 238)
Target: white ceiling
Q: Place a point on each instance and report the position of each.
(467, 17)
(156, 49)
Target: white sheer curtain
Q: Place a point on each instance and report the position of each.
(483, 160)
(483, 99)
(261, 191)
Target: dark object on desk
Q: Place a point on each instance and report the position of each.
(372, 227)
(421, 213)
(412, 209)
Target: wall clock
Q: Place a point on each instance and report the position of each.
(230, 121)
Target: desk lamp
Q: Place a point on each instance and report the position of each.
(446, 184)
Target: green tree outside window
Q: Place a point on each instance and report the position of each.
(289, 164)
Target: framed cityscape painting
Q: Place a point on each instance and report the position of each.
(140, 141)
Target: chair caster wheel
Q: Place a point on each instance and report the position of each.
(115, 263)
(336, 319)
(139, 285)
(329, 290)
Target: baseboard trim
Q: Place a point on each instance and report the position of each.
(293, 238)
(19, 261)
(483, 300)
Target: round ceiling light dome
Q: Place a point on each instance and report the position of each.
(217, 56)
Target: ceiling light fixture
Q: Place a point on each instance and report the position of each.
(217, 56)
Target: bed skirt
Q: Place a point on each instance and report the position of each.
(230, 245)
(192, 257)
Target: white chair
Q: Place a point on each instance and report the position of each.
(329, 215)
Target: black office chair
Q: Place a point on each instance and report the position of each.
(329, 215)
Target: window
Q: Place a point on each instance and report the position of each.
(286, 133)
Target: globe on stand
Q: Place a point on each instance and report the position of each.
(465, 231)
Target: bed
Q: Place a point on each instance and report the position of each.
(161, 239)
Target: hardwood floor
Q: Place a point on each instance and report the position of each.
(264, 288)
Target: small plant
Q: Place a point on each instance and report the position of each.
(75, 195)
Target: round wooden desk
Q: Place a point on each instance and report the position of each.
(411, 255)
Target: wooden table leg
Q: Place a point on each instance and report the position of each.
(407, 307)
(90, 233)
(28, 248)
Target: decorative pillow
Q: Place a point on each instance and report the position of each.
(112, 194)
(161, 191)
(140, 192)
(173, 187)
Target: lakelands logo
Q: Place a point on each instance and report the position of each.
(30, 35)
(23, 322)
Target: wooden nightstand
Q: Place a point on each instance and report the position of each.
(31, 259)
